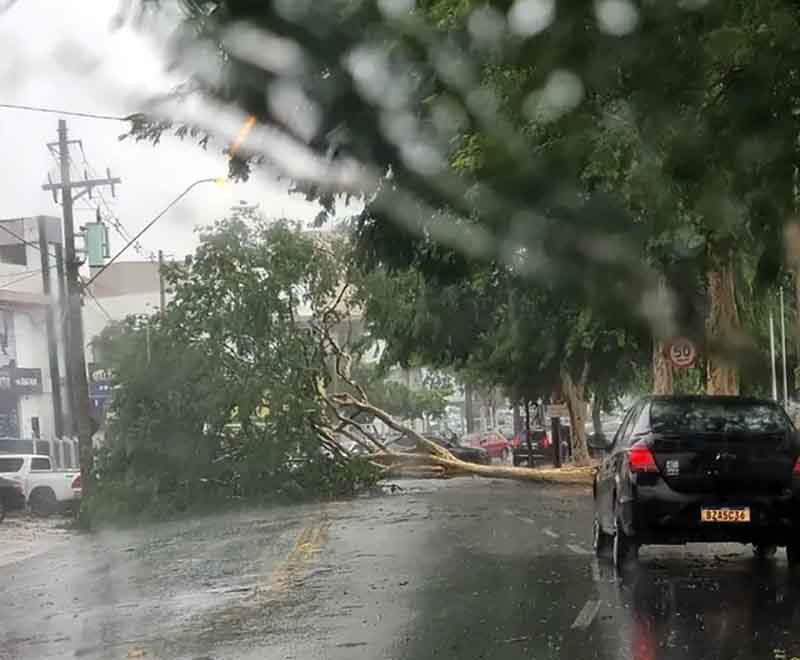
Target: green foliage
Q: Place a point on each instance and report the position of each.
(225, 409)
(399, 400)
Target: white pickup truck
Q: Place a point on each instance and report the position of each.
(46, 490)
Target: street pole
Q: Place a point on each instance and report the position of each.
(783, 352)
(76, 355)
(63, 328)
(52, 338)
(161, 292)
(772, 357)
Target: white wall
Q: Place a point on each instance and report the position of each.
(117, 307)
(31, 343)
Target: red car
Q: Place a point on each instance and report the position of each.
(493, 442)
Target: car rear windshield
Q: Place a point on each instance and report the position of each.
(717, 417)
(11, 464)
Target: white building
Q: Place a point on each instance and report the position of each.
(26, 386)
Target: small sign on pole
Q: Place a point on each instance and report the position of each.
(681, 353)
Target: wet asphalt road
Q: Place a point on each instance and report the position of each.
(461, 569)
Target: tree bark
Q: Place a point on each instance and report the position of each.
(662, 370)
(597, 423)
(574, 393)
(468, 413)
(722, 323)
(517, 416)
(528, 442)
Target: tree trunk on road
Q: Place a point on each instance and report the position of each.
(722, 322)
(574, 393)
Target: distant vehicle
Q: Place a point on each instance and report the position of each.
(468, 454)
(11, 497)
(44, 490)
(493, 442)
(708, 469)
(540, 443)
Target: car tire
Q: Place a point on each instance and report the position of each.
(43, 502)
(624, 549)
(763, 551)
(601, 541)
(793, 554)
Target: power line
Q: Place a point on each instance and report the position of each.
(148, 225)
(35, 246)
(96, 301)
(71, 113)
(20, 279)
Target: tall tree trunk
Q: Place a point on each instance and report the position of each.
(662, 370)
(528, 442)
(574, 393)
(722, 322)
(468, 413)
(517, 416)
(597, 410)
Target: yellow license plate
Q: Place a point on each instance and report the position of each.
(726, 515)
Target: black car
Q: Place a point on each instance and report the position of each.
(468, 454)
(11, 497)
(540, 444)
(692, 468)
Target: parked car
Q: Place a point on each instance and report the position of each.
(495, 444)
(11, 497)
(44, 489)
(683, 469)
(540, 443)
(469, 454)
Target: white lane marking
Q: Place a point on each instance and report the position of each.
(586, 615)
(578, 550)
(527, 520)
(549, 532)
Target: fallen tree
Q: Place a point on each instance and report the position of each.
(428, 460)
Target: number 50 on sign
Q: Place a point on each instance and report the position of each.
(682, 353)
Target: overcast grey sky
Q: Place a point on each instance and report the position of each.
(66, 55)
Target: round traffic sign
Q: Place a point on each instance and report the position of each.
(682, 353)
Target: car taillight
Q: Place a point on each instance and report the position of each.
(796, 469)
(640, 459)
(76, 483)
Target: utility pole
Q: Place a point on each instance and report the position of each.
(63, 328)
(75, 355)
(161, 292)
(52, 337)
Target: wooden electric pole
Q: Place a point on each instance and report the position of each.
(52, 336)
(76, 353)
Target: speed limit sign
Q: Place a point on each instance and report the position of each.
(682, 353)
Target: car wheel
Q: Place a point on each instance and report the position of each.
(624, 549)
(793, 554)
(764, 550)
(43, 502)
(601, 541)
